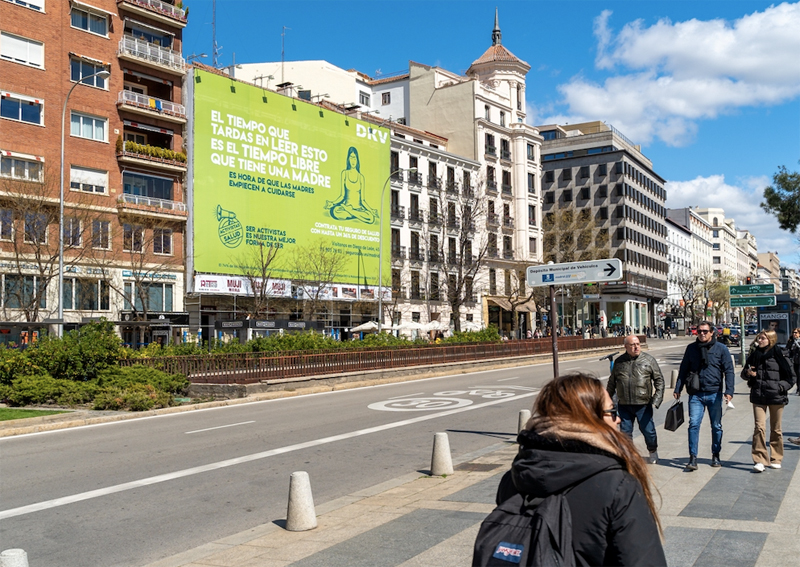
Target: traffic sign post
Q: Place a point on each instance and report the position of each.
(754, 301)
(591, 271)
(756, 289)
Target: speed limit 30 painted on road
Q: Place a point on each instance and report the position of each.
(451, 399)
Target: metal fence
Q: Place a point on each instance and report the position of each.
(253, 367)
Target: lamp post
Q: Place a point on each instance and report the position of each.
(104, 74)
(380, 245)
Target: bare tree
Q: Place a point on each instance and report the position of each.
(256, 268)
(29, 238)
(316, 266)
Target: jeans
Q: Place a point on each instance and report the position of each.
(697, 405)
(644, 415)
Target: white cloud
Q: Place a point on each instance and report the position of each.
(670, 75)
(741, 203)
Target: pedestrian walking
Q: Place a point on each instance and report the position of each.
(770, 377)
(793, 350)
(571, 446)
(707, 372)
(638, 383)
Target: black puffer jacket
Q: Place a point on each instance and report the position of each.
(611, 522)
(774, 377)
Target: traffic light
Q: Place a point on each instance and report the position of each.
(749, 280)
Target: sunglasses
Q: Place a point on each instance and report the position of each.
(702, 332)
(612, 412)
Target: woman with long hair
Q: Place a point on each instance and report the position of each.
(770, 377)
(572, 445)
(793, 350)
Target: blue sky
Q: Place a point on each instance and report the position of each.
(711, 89)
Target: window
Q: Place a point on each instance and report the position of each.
(618, 168)
(602, 191)
(715, 233)
(132, 238)
(532, 245)
(20, 168)
(6, 224)
(549, 177)
(491, 149)
(386, 98)
(87, 180)
(86, 295)
(23, 291)
(549, 198)
(363, 98)
(148, 34)
(81, 70)
(467, 181)
(22, 108)
(492, 281)
(531, 183)
(72, 232)
(147, 186)
(715, 246)
(162, 241)
(567, 194)
(486, 113)
(20, 50)
(37, 5)
(602, 213)
(101, 234)
(567, 175)
(602, 169)
(89, 127)
(502, 118)
(716, 260)
(35, 228)
(531, 215)
(531, 152)
(89, 21)
(135, 137)
(157, 296)
(584, 195)
(584, 171)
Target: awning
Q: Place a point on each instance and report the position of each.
(147, 127)
(146, 76)
(89, 59)
(90, 8)
(148, 27)
(505, 304)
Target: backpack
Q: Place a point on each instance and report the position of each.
(525, 531)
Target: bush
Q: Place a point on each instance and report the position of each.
(14, 363)
(135, 397)
(44, 389)
(128, 376)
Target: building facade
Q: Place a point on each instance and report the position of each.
(116, 70)
(679, 254)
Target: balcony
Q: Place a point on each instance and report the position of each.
(451, 187)
(417, 294)
(150, 207)
(452, 259)
(414, 180)
(398, 214)
(150, 156)
(151, 106)
(434, 219)
(506, 189)
(416, 256)
(468, 192)
(491, 150)
(492, 219)
(434, 182)
(415, 216)
(157, 10)
(492, 253)
(508, 254)
(434, 258)
(505, 154)
(397, 177)
(491, 187)
(453, 224)
(508, 222)
(469, 225)
(151, 55)
(398, 253)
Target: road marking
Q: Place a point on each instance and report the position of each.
(507, 379)
(63, 501)
(218, 427)
(407, 396)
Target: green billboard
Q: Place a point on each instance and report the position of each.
(273, 171)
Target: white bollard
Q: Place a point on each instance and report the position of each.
(524, 416)
(673, 377)
(301, 514)
(13, 558)
(441, 461)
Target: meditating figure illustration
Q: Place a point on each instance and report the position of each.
(350, 204)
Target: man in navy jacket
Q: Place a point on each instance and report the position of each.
(711, 360)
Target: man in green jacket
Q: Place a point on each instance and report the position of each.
(639, 385)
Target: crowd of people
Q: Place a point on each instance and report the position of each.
(578, 444)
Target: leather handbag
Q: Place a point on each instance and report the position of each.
(674, 417)
(693, 382)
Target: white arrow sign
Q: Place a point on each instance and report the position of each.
(575, 272)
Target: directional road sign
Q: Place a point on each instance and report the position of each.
(575, 272)
(756, 289)
(753, 301)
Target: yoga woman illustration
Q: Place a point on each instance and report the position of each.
(351, 204)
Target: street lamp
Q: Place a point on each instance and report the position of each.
(104, 74)
(380, 245)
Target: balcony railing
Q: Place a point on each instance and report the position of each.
(398, 252)
(433, 257)
(506, 189)
(491, 187)
(453, 223)
(151, 53)
(415, 178)
(416, 256)
(162, 8)
(468, 192)
(398, 212)
(505, 154)
(152, 202)
(508, 254)
(492, 252)
(434, 219)
(508, 222)
(492, 219)
(130, 98)
(491, 150)
(452, 187)
(416, 216)
(434, 182)
(156, 155)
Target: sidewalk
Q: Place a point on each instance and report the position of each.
(722, 517)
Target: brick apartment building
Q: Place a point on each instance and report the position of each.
(124, 164)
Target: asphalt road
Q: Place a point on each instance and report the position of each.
(132, 492)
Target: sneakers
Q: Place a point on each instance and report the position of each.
(715, 462)
(758, 467)
(692, 464)
(775, 465)
(653, 458)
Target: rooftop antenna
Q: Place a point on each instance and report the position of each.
(214, 49)
(283, 51)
